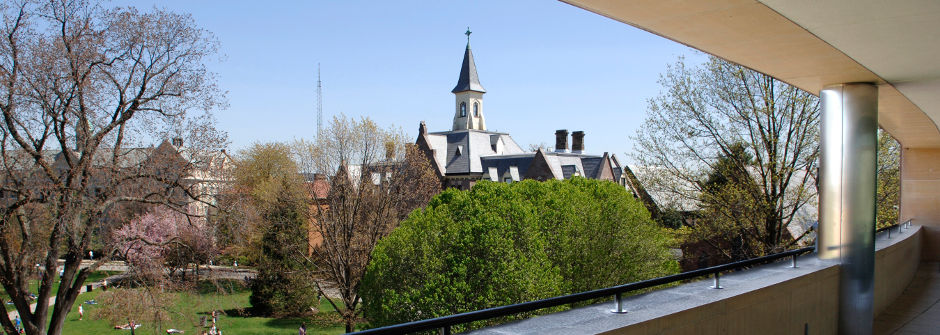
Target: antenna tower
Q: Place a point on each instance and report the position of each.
(319, 103)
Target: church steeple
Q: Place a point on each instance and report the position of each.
(468, 81)
(469, 94)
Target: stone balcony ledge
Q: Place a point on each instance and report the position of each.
(770, 299)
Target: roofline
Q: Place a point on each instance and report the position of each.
(525, 154)
(466, 130)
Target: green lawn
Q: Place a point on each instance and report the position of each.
(34, 285)
(188, 307)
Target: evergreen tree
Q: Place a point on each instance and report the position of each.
(282, 286)
(275, 215)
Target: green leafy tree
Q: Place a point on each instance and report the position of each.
(889, 173)
(500, 244)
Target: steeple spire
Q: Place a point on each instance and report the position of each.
(469, 94)
(468, 80)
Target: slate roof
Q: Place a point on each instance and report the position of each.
(615, 166)
(591, 164)
(562, 165)
(459, 151)
(497, 166)
(468, 81)
(569, 170)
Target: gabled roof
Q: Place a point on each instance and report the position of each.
(496, 167)
(459, 151)
(468, 80)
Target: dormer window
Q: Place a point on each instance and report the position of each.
(463, 109)
(476, 109)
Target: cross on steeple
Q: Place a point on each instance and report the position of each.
(468, 34)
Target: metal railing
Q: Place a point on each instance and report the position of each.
(445, 323)
(898, 226)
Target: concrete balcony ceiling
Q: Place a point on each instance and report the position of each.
(810, 44)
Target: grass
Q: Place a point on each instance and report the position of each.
(34, 285)
(188, 307)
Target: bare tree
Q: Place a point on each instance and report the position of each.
(540, 145)
(82, 90)
(703, 114)
(375, 180)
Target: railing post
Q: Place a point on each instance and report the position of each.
(889, 232)
(794, 261)
(899, 229)
(717, 285)
(618, 304)
(445, 330)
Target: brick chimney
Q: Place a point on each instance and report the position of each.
(577, 142)
(561, 140)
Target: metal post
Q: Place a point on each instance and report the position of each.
(717, 285)
(889, 232)
(445, 330)
(618, 304)
(847, 183)
(794, 262)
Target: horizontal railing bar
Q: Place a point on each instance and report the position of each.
(894, 226)
(494, 312)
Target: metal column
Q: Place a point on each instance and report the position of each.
(847, 187)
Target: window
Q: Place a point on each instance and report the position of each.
(463, 109)
(476, 109)
(507, 179)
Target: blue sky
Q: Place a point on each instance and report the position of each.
(545, 65)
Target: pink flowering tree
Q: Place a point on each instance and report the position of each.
(164, 241)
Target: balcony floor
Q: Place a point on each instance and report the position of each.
(917, 310)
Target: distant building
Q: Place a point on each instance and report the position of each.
(468, 152)
(189, 178)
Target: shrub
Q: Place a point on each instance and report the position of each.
(500, 244)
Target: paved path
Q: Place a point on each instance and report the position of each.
(917, 310)
(32, 307)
